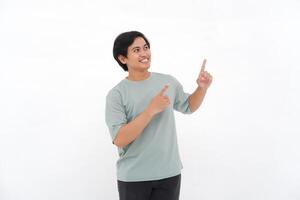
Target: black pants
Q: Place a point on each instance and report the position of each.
(163, 189)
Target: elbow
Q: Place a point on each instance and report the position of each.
(192, 109)
(118, 140)
(118, 143)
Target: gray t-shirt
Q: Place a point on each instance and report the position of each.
(154, 153)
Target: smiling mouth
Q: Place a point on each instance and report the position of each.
(144, 60)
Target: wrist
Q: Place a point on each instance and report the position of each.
(201, 88)
(148, 112)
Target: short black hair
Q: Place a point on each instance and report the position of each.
(122, 42)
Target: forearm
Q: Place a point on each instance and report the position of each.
(196, 98)
(129, 132)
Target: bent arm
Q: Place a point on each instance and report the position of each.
(130, 131)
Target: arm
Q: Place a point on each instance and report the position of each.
(204, 80)
(130, 131)
(133, 129)
(196, 98)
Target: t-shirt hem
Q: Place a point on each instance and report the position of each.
(149, 179)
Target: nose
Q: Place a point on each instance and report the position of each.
(143, 52)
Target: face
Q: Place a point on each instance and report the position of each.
(138, 55)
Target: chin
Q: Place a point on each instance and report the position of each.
(146, 66)
(142, 67)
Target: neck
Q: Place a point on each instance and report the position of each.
(138, 75)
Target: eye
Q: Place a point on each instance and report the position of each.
(136, 50)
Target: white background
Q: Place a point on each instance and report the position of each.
(56, 67)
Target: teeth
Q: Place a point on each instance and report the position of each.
(144, 61)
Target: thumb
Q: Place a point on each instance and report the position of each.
(164, 90)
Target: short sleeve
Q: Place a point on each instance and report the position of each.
(115, 116)
(181, 100)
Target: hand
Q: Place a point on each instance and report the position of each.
(159, 102)
(204, 79)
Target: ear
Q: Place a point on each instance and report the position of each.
(122, 59)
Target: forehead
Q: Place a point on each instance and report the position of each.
(138, 42)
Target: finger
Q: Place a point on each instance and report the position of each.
(203, 65)
(206, 75)
(203, 74)
(202, 78)
(164, 90)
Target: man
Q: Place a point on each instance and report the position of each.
(140, 118)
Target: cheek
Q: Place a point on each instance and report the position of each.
(131, 58)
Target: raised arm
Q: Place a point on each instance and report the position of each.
(204, 80)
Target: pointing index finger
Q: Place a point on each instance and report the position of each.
(164, 89)
(203, 65)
